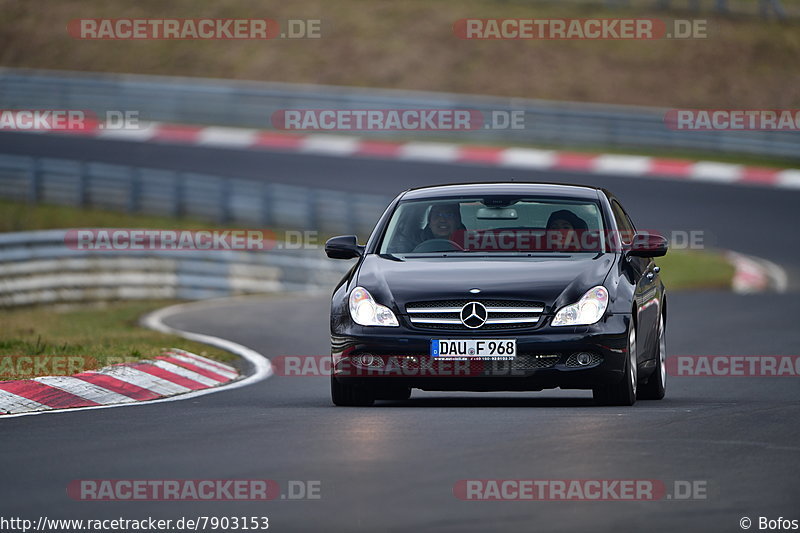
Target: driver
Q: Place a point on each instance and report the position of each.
(443, 221)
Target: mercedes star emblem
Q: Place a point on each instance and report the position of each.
(473, 315)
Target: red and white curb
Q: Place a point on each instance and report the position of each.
(176, 375)
(754, 274)
(520, 158)
(175, 372)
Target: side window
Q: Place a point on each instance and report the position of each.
(624, 223)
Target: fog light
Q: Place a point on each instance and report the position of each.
(367, 360)
(584, 359)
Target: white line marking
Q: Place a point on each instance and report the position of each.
(779, 277)
(262, 369)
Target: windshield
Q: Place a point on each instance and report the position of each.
(494, 225)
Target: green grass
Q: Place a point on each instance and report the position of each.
(19, 216)
(687, 270)
(745, 62)
(89, 336)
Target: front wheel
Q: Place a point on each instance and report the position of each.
(624, 392)
(656, 385)
(350, 396)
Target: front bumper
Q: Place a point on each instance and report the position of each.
(546, 358)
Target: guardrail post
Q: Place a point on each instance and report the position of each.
(267, 218)
(312, 209)
(178, 200)
(34, 181)
(134, 189)
(83, 184)
(225, 201)
(351, 218)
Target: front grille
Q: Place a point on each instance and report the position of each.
(532, 362)
(501, 314)
(467, 368)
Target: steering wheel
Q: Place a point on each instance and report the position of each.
(437, 245)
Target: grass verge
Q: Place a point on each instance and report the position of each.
(84, 338)
(743, 62)
(691, 270)
(21, 216)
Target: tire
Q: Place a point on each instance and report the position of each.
(349, 396)
(397, 394)
(624, 392)
(656, 385)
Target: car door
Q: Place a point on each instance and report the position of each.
(646, 294)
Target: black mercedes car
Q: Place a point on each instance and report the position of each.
(500, 287)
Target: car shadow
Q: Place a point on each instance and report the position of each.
(490, 402)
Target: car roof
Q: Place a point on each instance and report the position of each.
(558, 190)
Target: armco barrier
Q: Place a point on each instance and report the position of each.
(37, 267)
(198, 196)
(251, 105)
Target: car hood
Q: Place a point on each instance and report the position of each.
(554, 281)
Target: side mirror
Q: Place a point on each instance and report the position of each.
(648, 245)
(343, 247)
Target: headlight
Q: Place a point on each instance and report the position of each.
(366, 312)
(588, 310)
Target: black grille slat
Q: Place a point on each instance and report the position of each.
(416, 312)
(462, 303)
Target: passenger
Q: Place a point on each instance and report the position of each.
(565, 220)
(565, 230)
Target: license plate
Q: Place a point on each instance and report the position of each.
(483, 348)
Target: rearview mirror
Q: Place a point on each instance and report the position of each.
(343, 247)
(648, 245)
(497, 213)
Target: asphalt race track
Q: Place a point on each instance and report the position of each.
(393, 467)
